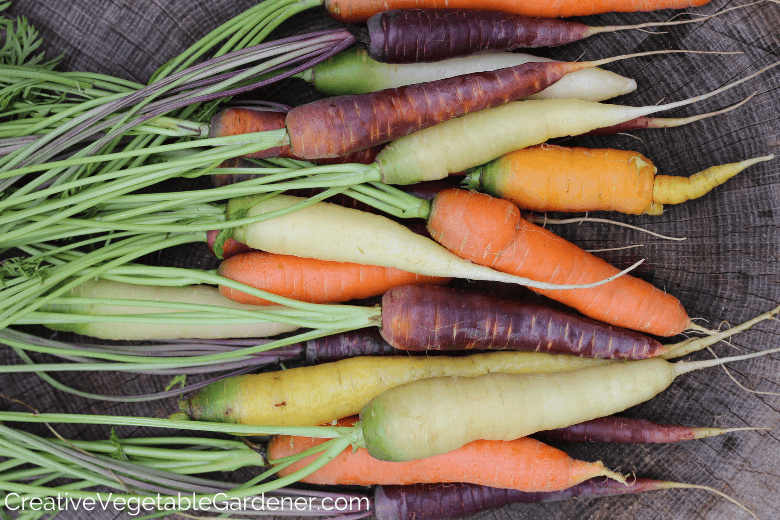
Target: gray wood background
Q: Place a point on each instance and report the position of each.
(726, 270)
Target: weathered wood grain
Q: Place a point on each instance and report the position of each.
(726, 270)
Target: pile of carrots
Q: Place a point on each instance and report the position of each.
(583, 346)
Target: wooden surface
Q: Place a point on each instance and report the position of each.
(726, 270)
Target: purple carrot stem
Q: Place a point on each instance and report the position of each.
(57, 143)
(182, 100)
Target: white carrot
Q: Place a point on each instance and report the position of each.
(116, 295)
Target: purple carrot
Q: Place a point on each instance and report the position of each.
(394, 36)
(361, 342)
(441, 318)
(631, 431)
(447, 501)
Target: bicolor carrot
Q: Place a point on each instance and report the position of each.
(233, 121)
(555, 178)
(230, 247)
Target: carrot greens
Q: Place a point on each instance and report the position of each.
(153, 475)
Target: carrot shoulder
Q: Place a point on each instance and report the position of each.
(490, 232)
(362, 10)
(311, 280)
(524, 464)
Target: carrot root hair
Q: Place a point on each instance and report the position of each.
(679, 485)
(700, 18)
(712, 337)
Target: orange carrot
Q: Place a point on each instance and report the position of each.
(361, 10)
(310, 280)
(554, 178)
(525, 464)
(490, 232)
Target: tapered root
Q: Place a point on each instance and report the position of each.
(693, 345)
(711, 490)
(674, 190)
(702, 433)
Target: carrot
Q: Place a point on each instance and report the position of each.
(196, 294)
(361, 10)
(524, 464)
(311, 280)
(394, 36)
(441, 318)
(323, 393)
(490, 232)
(354, 343)
(554, 178)
(459, 500)
(630, 431)
(440, 414)
(354, 72)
